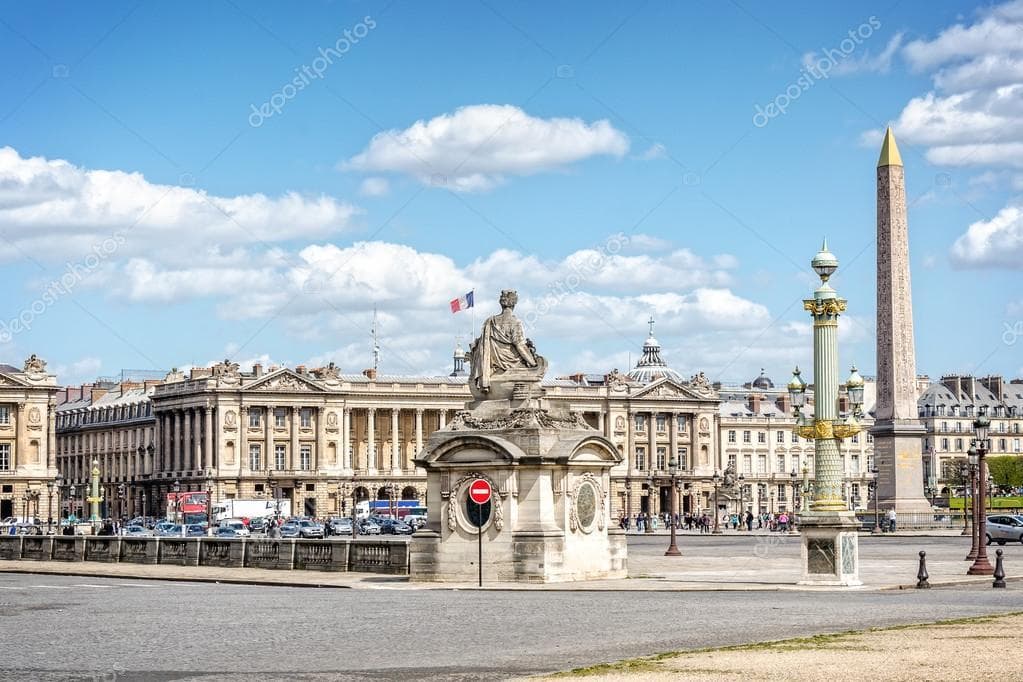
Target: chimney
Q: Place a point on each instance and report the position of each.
(300, 369)
(971, 386)
(370, 374)
(951, 382)
(784, 404)
(843, 403)
(149, 383)
(996, 385)
(97, 393)
(257, 369)
(754, 403)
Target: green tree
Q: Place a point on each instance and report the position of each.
(1007, 471)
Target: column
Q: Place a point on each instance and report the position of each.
(51, 436)
(294, 462)
(207, 452)
(177, 442)
(419, 437)
(630, 442)
(673, 438)
(319, 453)
(157, 440)
(443, 418)
(601, 423)
(198, 454)
(651, 425)
(186, 441)
(395, 445)
(21, 447)
(346, 423)
(242, 448)
(371, 459)
(269, 461)
(166, 461)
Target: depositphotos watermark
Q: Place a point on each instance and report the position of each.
(307, 73)
(817, 68)
(1012, 333)
(74, 274)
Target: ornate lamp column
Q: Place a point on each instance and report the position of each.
(829, 530)
(95, 497)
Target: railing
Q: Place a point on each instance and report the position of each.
(379, 555)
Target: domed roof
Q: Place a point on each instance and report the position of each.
(763, 381)
(651, 367)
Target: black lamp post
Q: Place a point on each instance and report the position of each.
(72, 506)
(209, 504)
(981, 565)
(49, 502)
(178, 513)
(716, 479)
(742, 498)
(872, 486)
(673, 471)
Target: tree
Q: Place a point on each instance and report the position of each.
(1007, 471)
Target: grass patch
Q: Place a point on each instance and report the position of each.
(822, 641)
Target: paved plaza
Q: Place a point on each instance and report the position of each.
(164, 630)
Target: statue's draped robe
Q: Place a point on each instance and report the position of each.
(500, 347)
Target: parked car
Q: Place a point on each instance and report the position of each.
(238, 527)
(1004, 528)
(290, 530)
(192, 530)
(341, 526)
(309, 529)
(136, 531)
(367, 527)
(161, 527)
(226, 532)
(395, 527)
(257, 525)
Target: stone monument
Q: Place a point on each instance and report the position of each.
(549, 518)
(898, 449)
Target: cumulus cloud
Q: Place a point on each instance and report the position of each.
(374, 187)
(997, 242)
(477, 146)
(54, 209)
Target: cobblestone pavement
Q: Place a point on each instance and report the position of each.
(66, 627)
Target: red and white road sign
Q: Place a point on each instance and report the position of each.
(479, 491)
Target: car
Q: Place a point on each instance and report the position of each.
(290, 530)
(226, 532)
(257, 525)
(309, 529)
(341, 526)
(1004, 528)
(367, 527)
(238, 527)
(192, 530)
(395, 527)
(136, 531)
(162, 526)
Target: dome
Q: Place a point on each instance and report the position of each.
(651, 366)
(763, 381)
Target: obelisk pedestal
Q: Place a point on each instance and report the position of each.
(897, 432)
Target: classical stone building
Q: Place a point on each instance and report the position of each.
(27, 454)
(947, 409)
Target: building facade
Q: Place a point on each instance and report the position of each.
(27, 441)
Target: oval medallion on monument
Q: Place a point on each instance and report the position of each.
(586, 506)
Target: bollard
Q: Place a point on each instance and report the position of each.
(999, 570)
(921, 575)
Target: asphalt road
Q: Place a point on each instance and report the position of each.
(58, 628)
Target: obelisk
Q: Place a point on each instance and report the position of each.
(898, 448)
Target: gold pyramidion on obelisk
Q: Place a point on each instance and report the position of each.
(898, 451)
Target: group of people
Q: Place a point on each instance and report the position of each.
(704, 522)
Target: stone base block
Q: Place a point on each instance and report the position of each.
(37, 548)
(106, 549)
(273, 554)
(322, 555)
(69, 548)
(140, 550)
(222, 552)
(179, 551)
(830, 549)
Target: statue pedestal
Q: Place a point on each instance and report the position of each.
(830, 549)
(549, 518)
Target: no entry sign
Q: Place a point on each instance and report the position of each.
(479, 491)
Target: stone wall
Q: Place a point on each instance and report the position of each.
(380, 555)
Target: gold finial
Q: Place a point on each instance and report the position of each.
(889, 151)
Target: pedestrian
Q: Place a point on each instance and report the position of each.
(891, 520)
(749, 520)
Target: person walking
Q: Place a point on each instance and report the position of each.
(891, 520)
(749, 520)
(783, 522)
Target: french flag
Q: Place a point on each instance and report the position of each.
(461, 303)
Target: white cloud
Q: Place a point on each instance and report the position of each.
(56, 210)
(79, 371)
(866, 62)
(374, 187)
(998, 31)
(653, 152)
(997, 242)
(477, 146)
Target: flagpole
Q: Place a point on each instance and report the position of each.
(472, 336)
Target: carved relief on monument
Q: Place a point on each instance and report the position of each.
(583, 512)
(284, 382)
(230, 420)
(35, 418)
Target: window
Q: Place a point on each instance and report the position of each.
(305, 457)
(683, 459)
(780, 436)
(747, 437)
(660, 459)
(944, 444)
(253, 417)
(306, 416)
(856, 438)
(761, 464)
(682, 423)
(280, 421)
(1015, 445)
(781, 492)
(640, 422)
(870, 437)
(641, 458)
(959, 444)
(5, 415)
(795, 438)
(747, 464)
(1002, 443)
(280, 457)
(761, 437)
(854, 465)
(5, 456)
(662, 423)
(779, 464)
(254, 463)
(731, 462)
(731, 436)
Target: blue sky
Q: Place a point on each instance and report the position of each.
(161, 165)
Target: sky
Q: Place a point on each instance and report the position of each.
(180, 183)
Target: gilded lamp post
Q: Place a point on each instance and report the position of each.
(828, 529)
(95, 496)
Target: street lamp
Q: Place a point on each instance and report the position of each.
(973, 457)
(742, 498)
(71, 502)
(49, 502)
(981, 565)
(717, 507)
(209, 504)
(872, 486)
(966, 477)
(178, 513)
(673, 471)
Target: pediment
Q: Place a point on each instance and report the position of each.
(285, 381)
(11, 380)
(668, 389)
